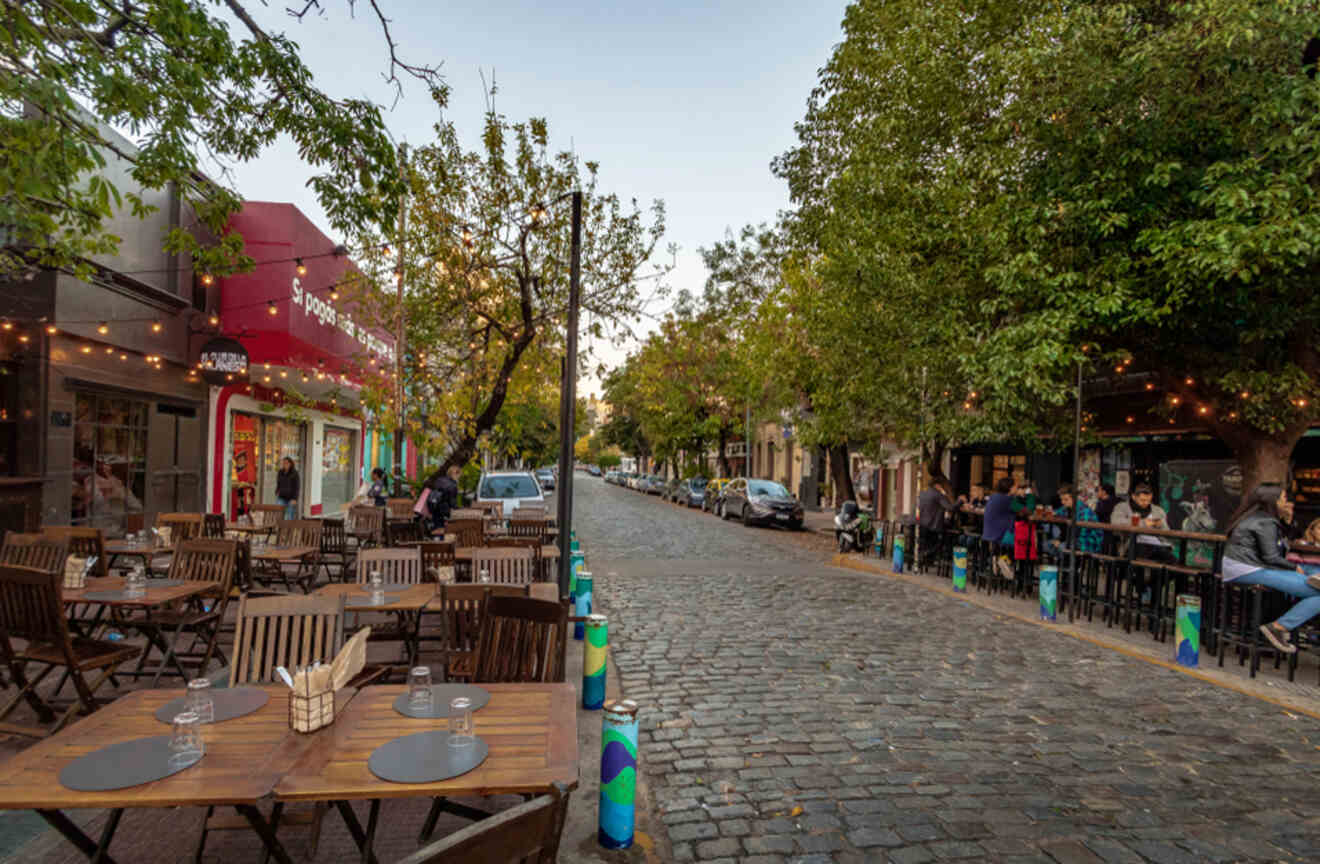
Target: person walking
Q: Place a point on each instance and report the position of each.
(1256, 554)
(286, 488)
(379, 489)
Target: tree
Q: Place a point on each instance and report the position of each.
(169, 73)
(486, 273)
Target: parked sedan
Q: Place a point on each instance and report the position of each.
(691, 492)
(654, 485)
(761, 502)
(713, 495)
(671, 489)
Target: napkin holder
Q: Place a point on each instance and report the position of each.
(75, 572)
(444, 575)
(163, 536)
(312, 700)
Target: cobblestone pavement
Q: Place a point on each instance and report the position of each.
(795, 712)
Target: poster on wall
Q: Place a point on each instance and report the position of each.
(1200, 495)
(1089, 475)
(1122, 482)
(243, 466)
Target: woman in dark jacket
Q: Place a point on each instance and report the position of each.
(1256, 554)
(379, 490)
(286, 488)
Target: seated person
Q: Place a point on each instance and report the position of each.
(997, 526)
(1255, 555)
(1148, 514)
(1088, 539)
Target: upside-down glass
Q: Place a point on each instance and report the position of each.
(419, 688)
(135, 583)
(485, 576)
(377, 581)
(199, 700)
(186, 745)
(460, 722)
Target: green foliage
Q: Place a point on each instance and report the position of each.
(170, 74)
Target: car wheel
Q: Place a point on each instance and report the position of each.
(746, 517)
(795, 525)
(843, 544)
(721, 511)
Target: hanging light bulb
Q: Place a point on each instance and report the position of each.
(208, 279)
(1203, 410)
(87, 349)
(272, 309)
(385, 248)
(50, 328)
(103, 328)
(1188, 381)
(284, 373)
(1175, 400)
(334, 293)
(123, 356)
(23, 337)
(1246, 394)
(7, 325)
(299, 267)
(1150, 386)
(214, 320)
(1131, 419)
(109, 350)
(156, 326)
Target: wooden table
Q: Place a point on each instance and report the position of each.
(245, 759)
(282, 554)
(531, 730)
(407, 605)
(114, 549)
(245, 528)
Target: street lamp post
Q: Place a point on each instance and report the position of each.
(568, 403)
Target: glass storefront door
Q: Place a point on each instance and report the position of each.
(109, 461)
(257, 445)
(337, 474)
(280, 438)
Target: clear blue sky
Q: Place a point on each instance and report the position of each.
(686, 101)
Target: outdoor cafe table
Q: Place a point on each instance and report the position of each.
(530, 729)
(248, 528)
(133, 549)
(406, 604)
(245, 758)
(155, 597)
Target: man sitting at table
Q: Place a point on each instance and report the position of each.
(1149, 515)
(1255, 555)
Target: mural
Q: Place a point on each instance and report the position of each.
(1200, 495)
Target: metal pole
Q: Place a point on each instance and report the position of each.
(398, 330)
(568, 402)
(747, 444)
(1077, 497)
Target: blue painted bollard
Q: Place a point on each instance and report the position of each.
(880, 540)
(618, 775)
(960, 569)
(582, 604)
(899, 543)
(1049, 592)
(1187, 626)
(593, 662)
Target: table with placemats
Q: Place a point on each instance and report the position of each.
(147, 551)
(280, 556)
(244, 760)
(406, 603)
(530, 731)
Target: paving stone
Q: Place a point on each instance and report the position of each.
(773, 843)
(910, 855)
(693, 831)
(725, 847)
(867, 837)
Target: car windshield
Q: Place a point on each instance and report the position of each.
(765, 487)
(698, 482)
(509, 486)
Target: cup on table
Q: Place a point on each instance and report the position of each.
(377, 581)
(199, 700)
(484, 578)
(419, 688)
(460, 722)
(186, 745)
(135, 583)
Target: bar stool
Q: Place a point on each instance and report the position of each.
(1240, 614)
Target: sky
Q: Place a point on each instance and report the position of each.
(685, 101)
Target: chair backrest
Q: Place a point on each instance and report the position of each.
(466, 513)
(522, 640)
(397, 533)
(183, 526)
(505, 566)
(300, 532)
(288, 631)
(395, 565)
(436, 555)
(467, 532)
(34, 550)
(526, 833)
(530, 511)
(31, 607)
(364, 519)
(399, 508)
(203, 560)
(461, 608)
(533, 543)
(528, 528)
(492, 509)
(213, 526)
(267, 514)
(334, 537)
(84, 542)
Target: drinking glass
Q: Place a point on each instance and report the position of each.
(135, 583)
(377, 581)
(1136, 520)
(199, 700)
(186, 745)
(419, 688)
(460, 722)
(485, 576)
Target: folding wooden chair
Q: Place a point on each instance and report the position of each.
(334, 548)
(399, 508)
(522, 640)
(34, 550)
(197, 560)
(468, 533)
(527, 833)
(366, 525)
(395, 565)
(457, 611)
(435, 557)
(535, 528)
(213, 526)
(504, 566)
(399, 533)
(183, 526)
(297, 532)
(31, 610)
(83, 542)
(267, 515)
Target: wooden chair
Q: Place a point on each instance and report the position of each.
(34, 550)
(298, 532)
(468, 533)
(399, 508)
(435, 554)
(505, 566)
(268, 515)
(334, 547)
(197, 560)
(183, 526)
(213, 526)
(83, 542)
(522, 641)
(395, 565)
(31, 610)
(366, 524)
(457, 612)
(466, 513)
(536, 528)
(491, 509)
(527, 833)
(397, 533)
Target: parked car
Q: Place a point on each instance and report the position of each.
(514, 488)
(671, 489)
(546, 478)
(611, 476)
(713, 495)
(655, 485)
(761, 502)
(593, 470)
(691, 492)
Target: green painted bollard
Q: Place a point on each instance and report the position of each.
(577, 562)
(899, 543)
(582, 604)
(593, 662)
(1187, 627)
(960, 569)
(618, 775)
(1049, 592)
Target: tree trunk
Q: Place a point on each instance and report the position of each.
(839, 473)
(723, 459)
(933, 463)
(1266, 460)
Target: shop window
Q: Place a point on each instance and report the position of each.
(109, 460)
(337, 475)
(257, 445)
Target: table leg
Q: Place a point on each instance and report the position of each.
(355, 828)
(372, 818)
(275, 813)
(265, 832)
(95, 853)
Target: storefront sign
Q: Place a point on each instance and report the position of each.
(223, 361)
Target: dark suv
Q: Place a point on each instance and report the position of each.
(761, 502)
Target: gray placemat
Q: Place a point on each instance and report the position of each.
(230, 703)
(110, 596)
(387, 587)
(441, 695)
(360, 602)
(164, 583)
(425, 758)
(119, 766)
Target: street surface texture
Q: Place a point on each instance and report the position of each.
(797, 712)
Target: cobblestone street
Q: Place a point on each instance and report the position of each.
(797, 712)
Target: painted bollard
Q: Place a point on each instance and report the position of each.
(899, 543)
(1049, 592)
(960, 569)
(1187, 626)
(576, 562)
(593, 662)
(880, 540)
(618, 774)
(582, 604)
